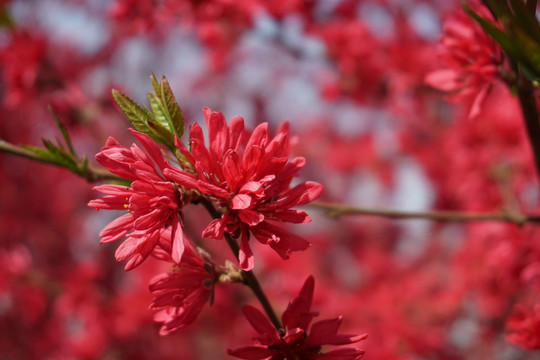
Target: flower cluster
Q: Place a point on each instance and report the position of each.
(154, 203)
(248, 177)
(295, 341)
(244, 177)
(181, 295)
(372, 140)
(472, 59)
(523, 327)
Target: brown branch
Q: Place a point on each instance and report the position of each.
(337, 210)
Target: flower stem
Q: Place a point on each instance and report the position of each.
(527, 102)
(337, 210)
(249, 277)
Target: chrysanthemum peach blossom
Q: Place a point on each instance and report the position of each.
(471, 58)
(153, 202)
(181, 295)
(248, 177)
(296, 341)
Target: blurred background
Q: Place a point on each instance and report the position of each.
(349, 76)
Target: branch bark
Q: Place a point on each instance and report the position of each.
(337, 210)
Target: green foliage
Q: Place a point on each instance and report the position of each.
(163, 121)
(173, 110)
(56, 153)
(6, 20)
(64, 132)
(62, 154)
(519, 35)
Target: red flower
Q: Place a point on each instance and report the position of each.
(472, 59)
(153, 202)
(23, 69)
(295, 342)
(523, 327)
(248, 177)
(181, 295)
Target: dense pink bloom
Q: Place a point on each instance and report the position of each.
(523, 327)
(248, 177)
(181, 295)
(472, 59)
(153, 202)
(296, 342)
(22, 67)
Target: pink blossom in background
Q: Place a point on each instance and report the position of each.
(472, 59)
(360, 88)
(523, 326)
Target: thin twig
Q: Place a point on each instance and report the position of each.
(90, 173)
(337, 210)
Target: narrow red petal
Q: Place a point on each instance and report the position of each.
(241, 201)
(258, 320)
(117, 228)
(323, 331)
(251, 353)
(215, 229)
(250, 217)
(177, 242)
(245, 255)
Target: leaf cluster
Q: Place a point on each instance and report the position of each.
(61, 154)
(162, 121)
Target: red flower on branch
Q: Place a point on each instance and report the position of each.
(472, 59)
(153, 202)
(181, 295)
(248, 177)
(295, 341)
(523, 327)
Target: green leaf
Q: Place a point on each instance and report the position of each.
(530, 53)
(155, 84)
(60, 152)
(64, 132)
(165, 118)
(138, 116)
(498, 35)
(164, 134)
(49, 145)
(84, 166)
(54, 155)
(6, 20)
(525, 19)
(161, 115)
(41, 152)
(60, 145)
(175, 113)
(498, 8)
